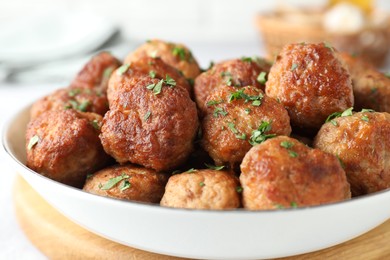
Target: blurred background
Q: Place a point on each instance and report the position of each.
(44, 43)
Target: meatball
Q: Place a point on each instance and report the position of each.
(64, 146)
(362, 142)
(174, 54)
(371, 88)
(96, 73)
(310, 82)
(237, 72)
(202, 189)
(152, 123)
(128, 182)
(236, 119)
(82, 99)
(145, 66)
(283, 173)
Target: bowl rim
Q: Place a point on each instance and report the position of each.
(5, 143)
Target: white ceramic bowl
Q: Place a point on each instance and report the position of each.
(232, 234)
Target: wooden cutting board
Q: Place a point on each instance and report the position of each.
(59, 238)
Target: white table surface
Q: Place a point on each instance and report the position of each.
(13, 242)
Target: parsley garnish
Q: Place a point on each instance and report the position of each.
(113, 181)
(169, 81)
(261, 78)
(156, 87)
(124, 185)
(331, 117)
(95, 124)
(294, 66)
(213, 167)
(201, 184)
(286, 144)
(367, 110)
(239, 94)
(239, 189)
(147, 115)
(246, 59)
(219, 111)
(365, 118)
(74, 92)
(327, 45)
(83, 105)
(214, 102)
(191, 170)
(247, 111)
(152, 74)
(258, 136)
(122, 69)
(293, 204)
(232, 127)
(292, 154)
(33, 141)
(178, 51)
(107, 72)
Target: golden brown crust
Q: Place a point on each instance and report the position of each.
(227, 126)
(310, 82)
(202, 189)
(82, 99)
(134, 183)
(282, 172)
(175, 54)
(362, 142)
(237, 72)
(68, 147)
(371, 88)
(153, 130)
(96, 73)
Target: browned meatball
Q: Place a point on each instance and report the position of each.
(236, 119)
(237, 72)
(202, 189)
(175, 54)
(370, 87)
(150, 125)
(64, 145)
(128, 182)
(82, 99)
(282, 173)
(362, 142)
(96, 73)
(310, 82)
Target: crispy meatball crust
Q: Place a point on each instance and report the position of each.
(282, 173)
(82, 99)
(133, 183)
(362, 142)
(66, 146)
(228, 125)
(153, 130)
(237, 72)
(96, 73)
(310, 82)
(202, 189)
(175, 54)
(371, 88)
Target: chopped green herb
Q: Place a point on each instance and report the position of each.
(246, 59)
(293, 204)
(191, 81)
(210, 65)
(153, 54)
(124, 185)
(279, 206)
(347, 112)
(33, 141)
(219, 111)
(365, 118)
(201, 184)
(178, 51)
(232, 128)
(191, 170)
(113, 181)
(229, 81)
(95, 124)
(341, 161)
(225, 73)
(107, 72)
(239, 189)
(241, 136)
(333, 122)
(261, 78)
(258, 136)
(292, 154)
(89, 175)
(239, 94)
(256, 103)
(294, 66)
(175, 172)
(152, 74)
(329, 46)
(169, 81)
(122, 69)
(247, 111)
(74, 92)
(83, 106)
(156, 87)
(147, 115)
(367, 110)
(214, 102)
(286, 144)
(213, 167)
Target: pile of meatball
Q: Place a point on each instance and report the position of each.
(310, 128)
